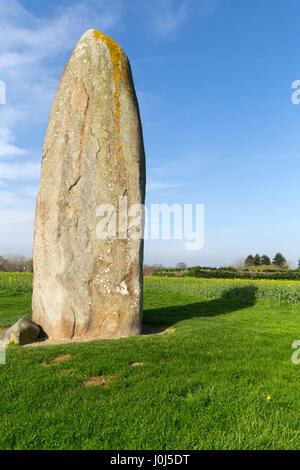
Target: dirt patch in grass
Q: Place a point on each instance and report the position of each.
(62, 357)
(101, 381)
(135, 364)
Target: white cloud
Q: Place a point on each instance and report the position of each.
(9, 118)
(7, 199)
(39, 38)
(10, 201)
(170, 15)
(167, 18)
(7, 150)
(26, 45)
(11, 59)
(17, 171)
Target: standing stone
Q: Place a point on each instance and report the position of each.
(85, 286)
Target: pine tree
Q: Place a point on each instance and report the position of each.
(256, 260)
(265, 260)
(249, 261)
(279, 260)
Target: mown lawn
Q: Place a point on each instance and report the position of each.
(205, 386)
(14, 305)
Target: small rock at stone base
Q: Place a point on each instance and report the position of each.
(24, 331)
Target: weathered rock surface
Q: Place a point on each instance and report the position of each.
(24, 331)
(93, 154)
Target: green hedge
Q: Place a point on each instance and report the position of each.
(231, 273)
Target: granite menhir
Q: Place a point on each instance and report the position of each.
(86, 286)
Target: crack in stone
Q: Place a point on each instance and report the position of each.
(74, 324)
(124, 193)
(97, 153)
(75, 182)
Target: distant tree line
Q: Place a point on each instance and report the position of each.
(16, 264)
(148, 270)
(264, 260)
(229, 272)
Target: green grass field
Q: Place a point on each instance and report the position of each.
(204, 386)
(14, 305)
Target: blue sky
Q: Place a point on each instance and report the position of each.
(213, 78)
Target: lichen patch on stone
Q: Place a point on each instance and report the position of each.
(118, 60)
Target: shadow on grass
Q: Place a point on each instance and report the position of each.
(234, 299)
